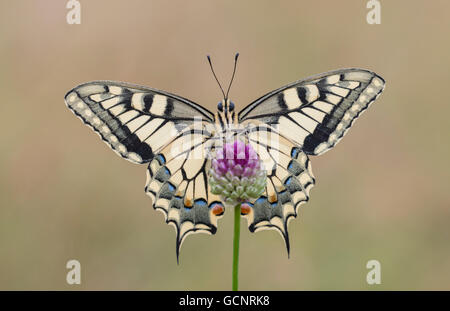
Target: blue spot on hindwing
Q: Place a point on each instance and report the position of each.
(290, 165)
(261, 200)
(167, 170)
(201, 202)
(288, 181)
(161, 158)
(171, 187)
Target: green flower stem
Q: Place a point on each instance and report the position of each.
(237, 229)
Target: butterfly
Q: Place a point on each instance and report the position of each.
(168, 132)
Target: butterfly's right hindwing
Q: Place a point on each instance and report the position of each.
(135, 121)
(289, 181)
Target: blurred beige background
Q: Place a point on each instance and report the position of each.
(380, 194)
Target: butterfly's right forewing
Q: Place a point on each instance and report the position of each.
(317, 112)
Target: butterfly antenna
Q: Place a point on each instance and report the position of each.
(232, 77)
(212, 69)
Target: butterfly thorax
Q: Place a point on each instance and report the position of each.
(225, 117)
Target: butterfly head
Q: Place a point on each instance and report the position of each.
(225, 105)
(225, 112)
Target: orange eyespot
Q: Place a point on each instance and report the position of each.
(187, 202)
(245, 209)
(217, 209)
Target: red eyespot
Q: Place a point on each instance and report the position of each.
(217, 210)
(245, 209)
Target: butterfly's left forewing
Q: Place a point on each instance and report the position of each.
(135, 121)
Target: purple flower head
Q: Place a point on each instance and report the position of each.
(238, 158)
(236, 173)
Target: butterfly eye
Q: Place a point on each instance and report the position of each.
(220, 106)
(231, 106)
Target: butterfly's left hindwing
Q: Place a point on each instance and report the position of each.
(177, 183)
(289, 181)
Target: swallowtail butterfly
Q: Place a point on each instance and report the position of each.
(145, 125)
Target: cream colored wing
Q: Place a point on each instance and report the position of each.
(289, 181)
(135, 121)
(177, 182)
(317, 112)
